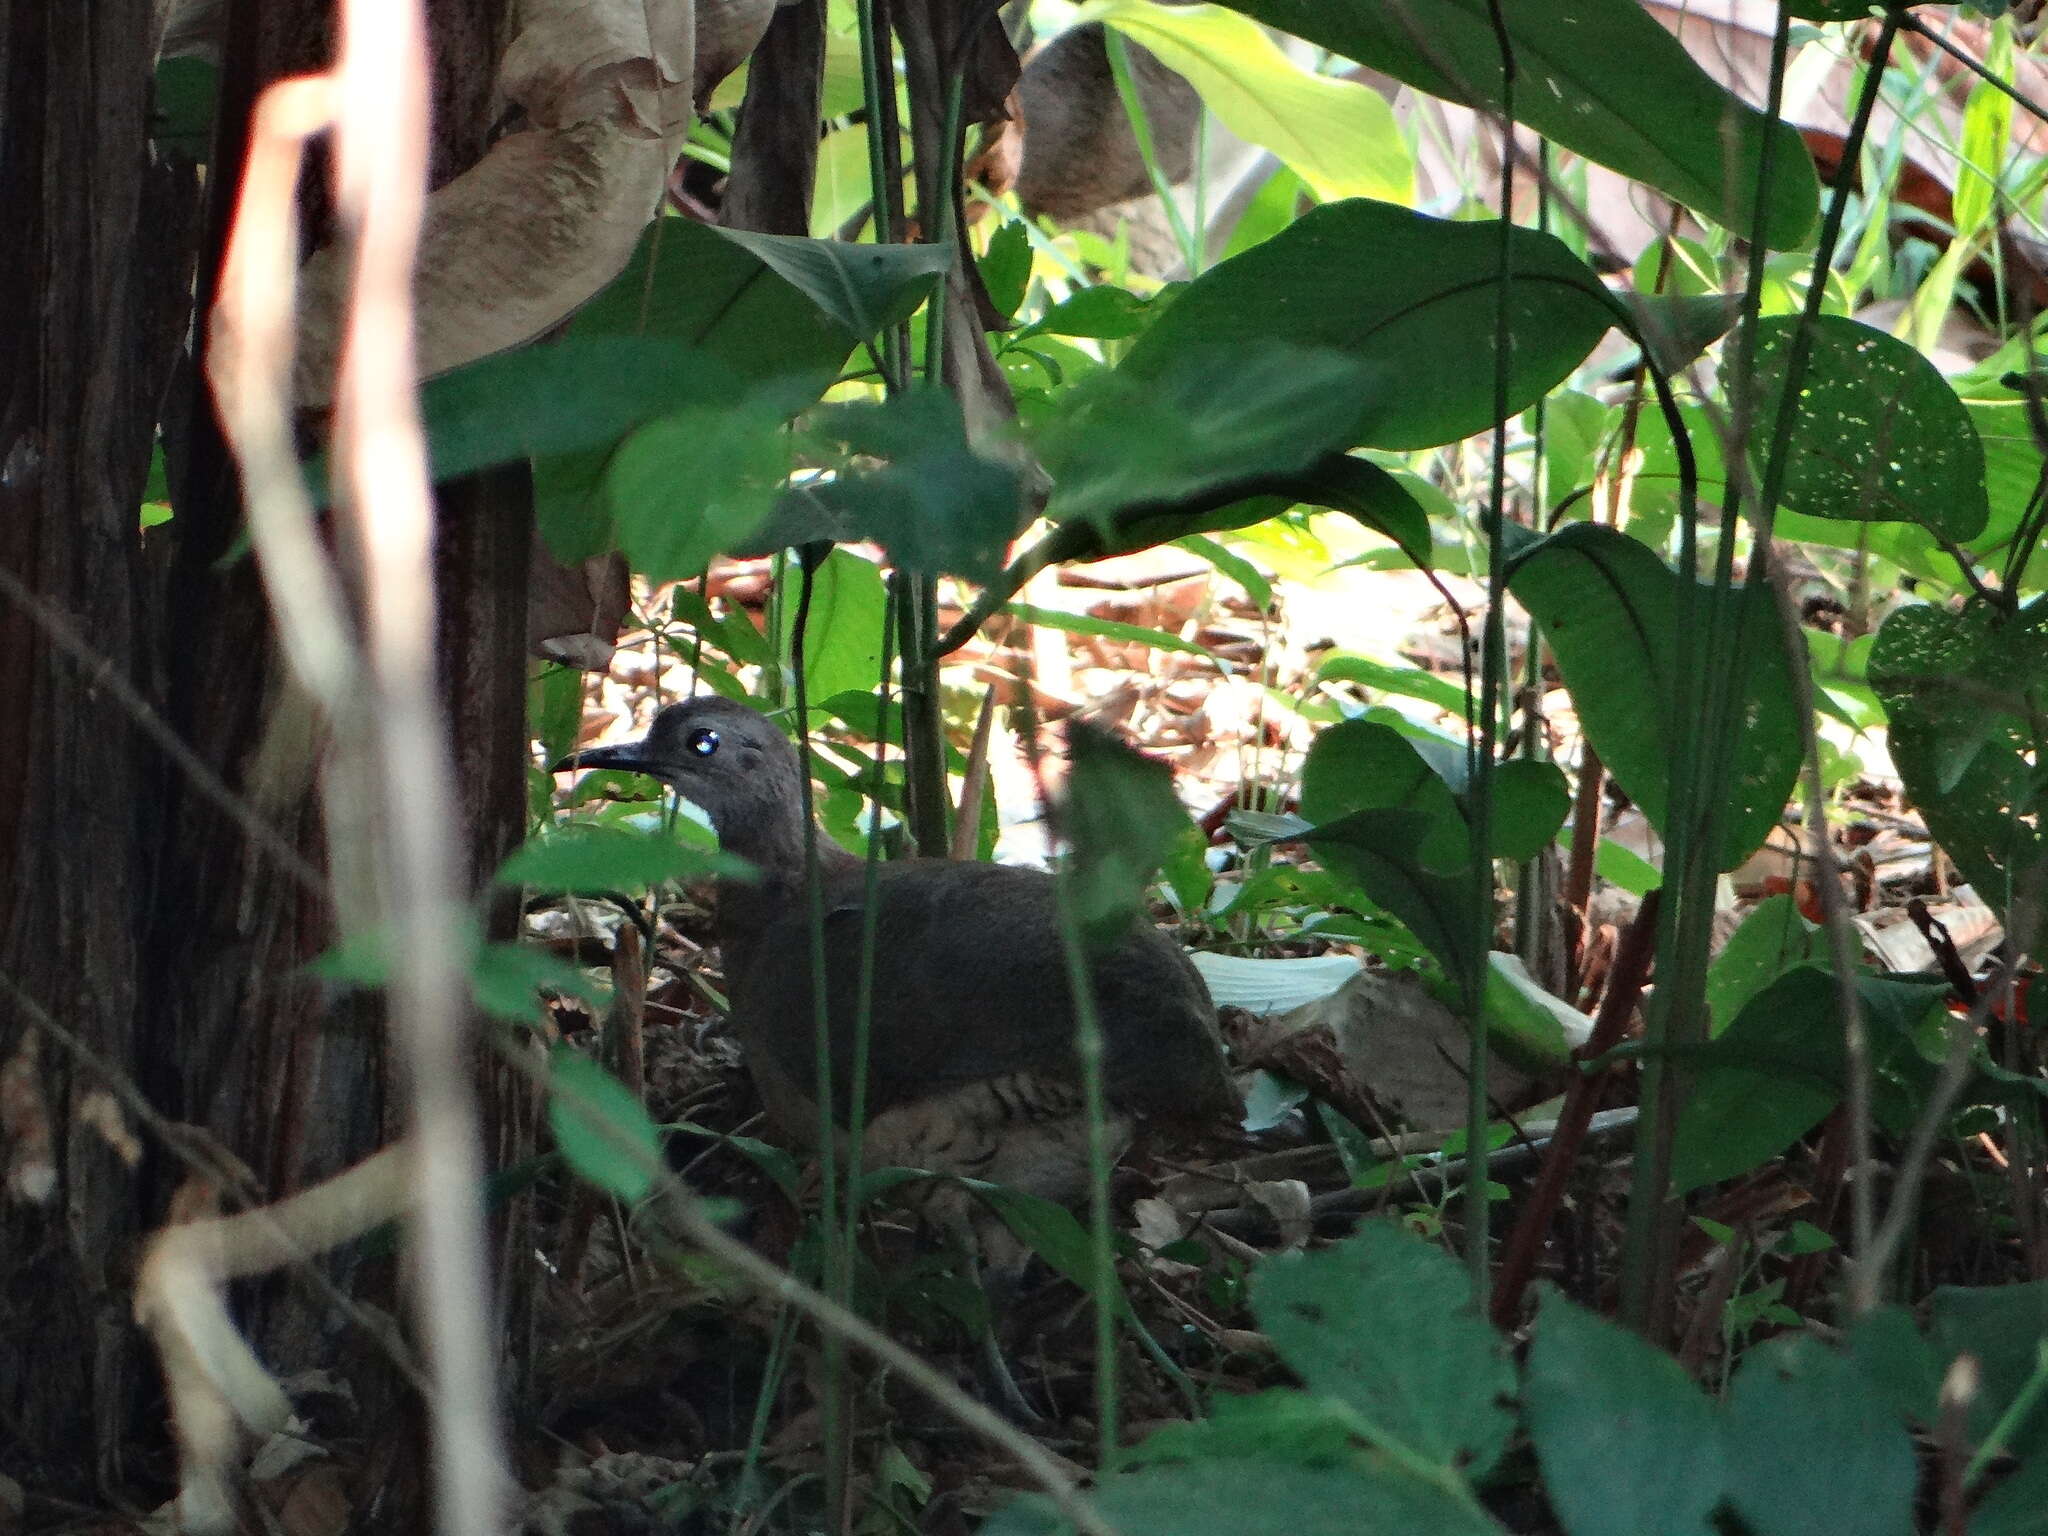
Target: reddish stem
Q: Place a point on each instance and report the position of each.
(1624, 987)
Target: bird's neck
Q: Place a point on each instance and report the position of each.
(776, 847)
(747, 908)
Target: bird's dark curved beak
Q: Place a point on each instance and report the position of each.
(628, 755)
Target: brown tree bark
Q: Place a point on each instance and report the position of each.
(133, 906)
(94, 237)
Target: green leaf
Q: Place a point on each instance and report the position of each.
(1413, 296)
(2018, 1506)
(505, 981)
(182, 106)
(581, 392)
(1047, 1229)
(706, 308)
(1121, 819)
(1628, 1444)
(936, 505)
(1233, 567)
(1531, 1027)
(1208, 425)
(1362, 764)
(1006, 267)
(1384, 1323)
(1900, 1363)
(732, 633)
(1771, 940)
(588, 860)
(1599, 77)
(1263, 1496)
(1381, 852)
(691, 485)
(1877, 435)
(1962, 691)
(2004, 1327)
(1408, 682)
(864, 288)
(1338, 135)
(1987, 133)
(503, 978)
(1278, 1424)
(1530, 803)
(1812, 1450)
(1372, 496)
(1777, 1071)
(603, 1130)
(1609, 608)
(843, 636)
(1102, 313)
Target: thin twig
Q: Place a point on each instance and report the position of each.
(2020, 99)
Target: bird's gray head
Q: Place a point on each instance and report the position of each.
(730, 761)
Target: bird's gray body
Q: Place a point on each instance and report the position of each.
(971, 1060)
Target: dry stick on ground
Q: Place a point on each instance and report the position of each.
(1624, 987)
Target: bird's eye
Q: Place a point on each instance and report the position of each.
(702, 743)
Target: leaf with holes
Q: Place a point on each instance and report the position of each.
(1877, 434)
(1963, 692)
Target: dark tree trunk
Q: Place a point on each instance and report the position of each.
(95, 249)
(134, 907)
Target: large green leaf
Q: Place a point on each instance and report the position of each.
(717, 315)
(693, 484)
(1771, 940)
(1391, 813)
(865, 288)
(1206, 420)
(1264, 1496)
(1414, 296)
(1877, 434)
(1597, 76)
(1628, 1444)
(1812, 1449)
(1338, 135)
(1609, 608)
(1777, 1071)
(1963, 692)
(2004, 1327)
(843, 630)
(1384, 1323)
(933, 502)
(1365, 765)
